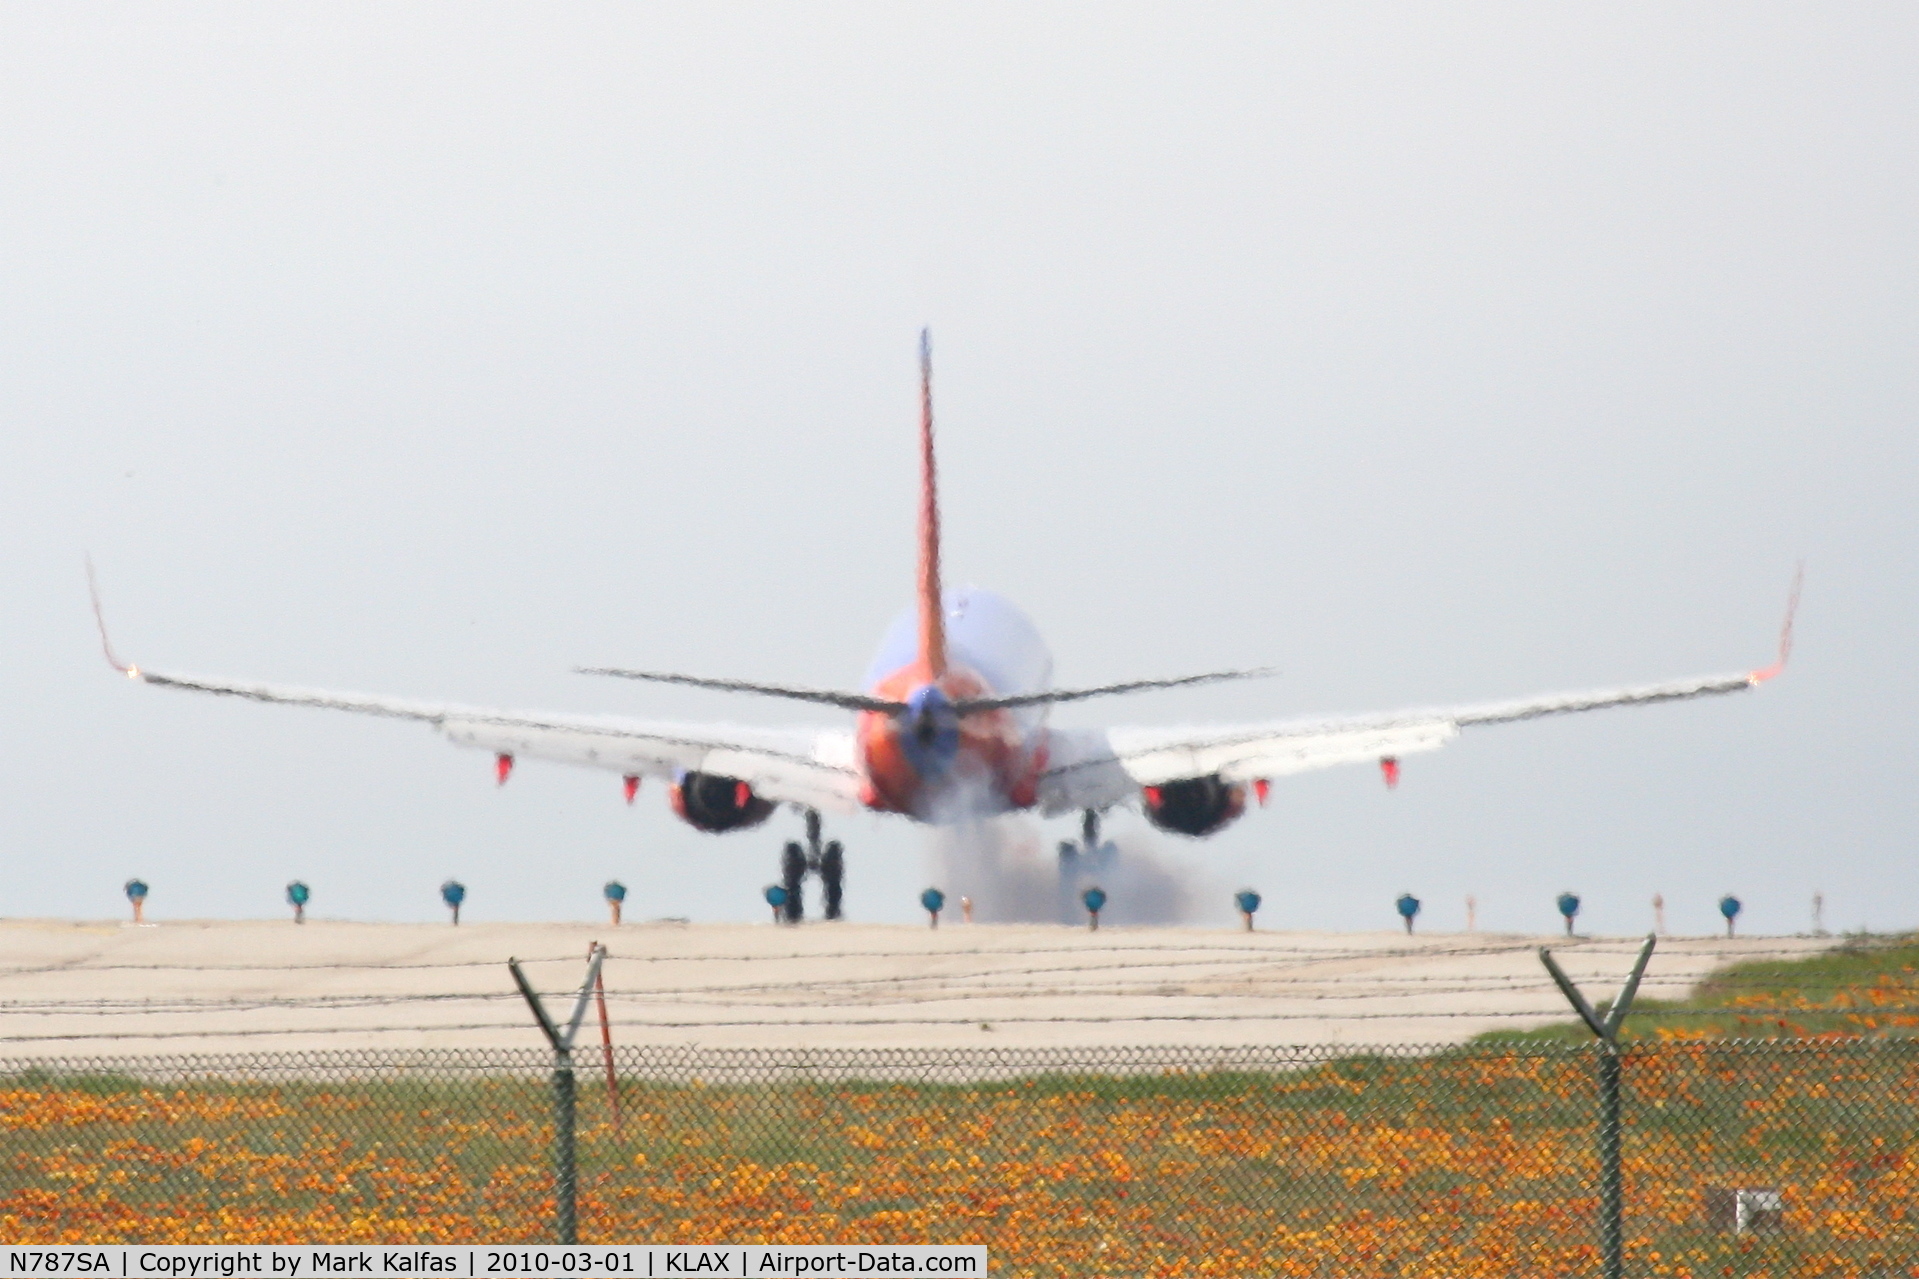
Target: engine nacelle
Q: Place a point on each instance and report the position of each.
(1194, 806)
(715, 804)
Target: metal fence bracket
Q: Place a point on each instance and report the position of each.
(565, 1170)
(1606, 1029)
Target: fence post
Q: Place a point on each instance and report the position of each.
(1612, 1206)
(566, 1181)
(1612, 1188)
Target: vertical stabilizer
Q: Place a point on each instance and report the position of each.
(932, 652)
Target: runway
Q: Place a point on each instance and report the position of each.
(72, 989)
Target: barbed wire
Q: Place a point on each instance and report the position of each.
(801, 1023)
(994, 983)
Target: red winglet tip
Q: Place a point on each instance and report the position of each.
(1389, 769)
(1785, 632)
(502, 767)
(632, 786)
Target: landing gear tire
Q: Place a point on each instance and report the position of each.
(793, 876)
(832, 877)
(798, 860)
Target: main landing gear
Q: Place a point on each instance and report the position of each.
(828, 861)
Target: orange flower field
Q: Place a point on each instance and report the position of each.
(1462, 1162)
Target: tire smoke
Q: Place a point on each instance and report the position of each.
(1014, 874)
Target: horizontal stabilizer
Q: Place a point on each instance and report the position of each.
(792, 693)
(885, 706)
(976, 705)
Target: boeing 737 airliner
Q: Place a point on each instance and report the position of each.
(952, 726)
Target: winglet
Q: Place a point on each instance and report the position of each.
(932, 612)
(1785, 632)
(100, 620)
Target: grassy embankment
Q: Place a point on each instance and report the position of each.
(1478, 1161)
(1865, 986)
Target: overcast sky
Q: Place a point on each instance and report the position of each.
(1428, 353)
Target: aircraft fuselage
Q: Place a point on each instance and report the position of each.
(932, 764)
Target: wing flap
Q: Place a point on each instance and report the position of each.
(800, 773)
(1276, 754)
(1101, 769)
(801, 766)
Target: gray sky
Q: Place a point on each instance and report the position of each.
(1430, 354)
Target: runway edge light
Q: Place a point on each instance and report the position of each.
(453, 892)
(1568, 904)
(1407, 906)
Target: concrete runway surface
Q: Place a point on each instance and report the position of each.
(72, 989)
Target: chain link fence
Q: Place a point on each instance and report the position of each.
(1747, 1158)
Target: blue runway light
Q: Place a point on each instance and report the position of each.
(775, 895)
(1568, 906)
(934, 901)
(297, 897)
(1248, 901)
(453, 892)
(1095, 899)
(137, 894)
(1407, 906)
(1730, 906)
(615, 894)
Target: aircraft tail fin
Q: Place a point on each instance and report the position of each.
(932, 648)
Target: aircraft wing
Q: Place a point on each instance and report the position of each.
(810, 767)
(1102, 767)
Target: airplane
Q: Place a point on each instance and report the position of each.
(951, 727)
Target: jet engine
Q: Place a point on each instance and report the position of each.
(1194, 806)
(715, 804)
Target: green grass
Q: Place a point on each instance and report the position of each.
(1867, 985)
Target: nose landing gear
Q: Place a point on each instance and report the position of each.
(1089, 845)
(828, 861)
